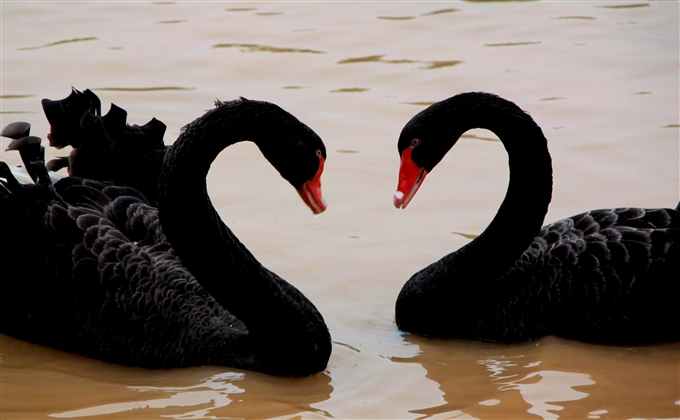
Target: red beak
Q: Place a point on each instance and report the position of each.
(411, 176)
(311, 191)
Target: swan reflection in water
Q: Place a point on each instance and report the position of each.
(221, 395)
(475, 377)
(218, 389)
(553, 386)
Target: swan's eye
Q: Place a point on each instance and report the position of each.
(318, 153)
(415, 142)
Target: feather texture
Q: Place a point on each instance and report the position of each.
(609, 276)
(87, 266)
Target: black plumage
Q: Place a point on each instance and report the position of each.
(32, 153)
(608, 276)
(105, 148)
(90, 267)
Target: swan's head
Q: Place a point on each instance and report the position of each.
(299, 155)
(420, 152)
(431, 133)
(303, 170)
(428, 136)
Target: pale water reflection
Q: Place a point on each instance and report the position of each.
(220, 390)
(552, 387)
(551, 378)
(216, 391)
(601, 78)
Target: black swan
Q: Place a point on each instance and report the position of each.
(105, 148)
(607, 276)
(91, 268)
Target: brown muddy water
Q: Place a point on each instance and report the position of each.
(601, 78)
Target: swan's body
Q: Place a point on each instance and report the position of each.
(610, 276)
(91, 268)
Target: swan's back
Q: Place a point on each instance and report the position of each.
(110, 286)
(586, 277)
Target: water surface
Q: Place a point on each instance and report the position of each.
(601, 78)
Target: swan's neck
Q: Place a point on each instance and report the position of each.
(521, 215)
(447, 296)
(206, 246)
(285, 332)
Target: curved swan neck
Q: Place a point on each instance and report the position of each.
(522, 212)
(529, 192)
(203, 139)
(285, 332)
(204, 244)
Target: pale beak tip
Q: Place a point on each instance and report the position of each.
(399, 200)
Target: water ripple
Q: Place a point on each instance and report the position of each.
(213, 392)
(434, 12)
(52, 44)
(419, 103)
(547, 387)
(367, 59)
(144, 89)
(14, 96)
(439, 64)
(396, 17)
(466, 235)
(512, 44)
(265, 48)
(345, 344)
(440, 12)
(625, 6)
(577, 17)
(475, 137)
(350, 90)
(378, 58)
